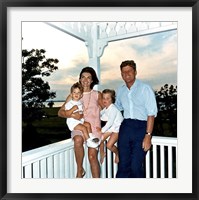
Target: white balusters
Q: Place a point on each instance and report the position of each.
(112, 27)
(131, 27)
(58, 161)
(162, 161)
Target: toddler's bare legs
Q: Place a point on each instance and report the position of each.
(110, 145)
(102, 152)
(84, 129)
(88, 126)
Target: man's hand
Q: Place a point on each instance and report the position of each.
(146, 144)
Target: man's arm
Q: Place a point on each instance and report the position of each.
(150, 124)
(146, 145)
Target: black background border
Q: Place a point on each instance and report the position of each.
(4, 4)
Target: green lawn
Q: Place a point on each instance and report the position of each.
(46, 131)
(53, 129)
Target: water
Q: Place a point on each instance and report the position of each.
(56, 103)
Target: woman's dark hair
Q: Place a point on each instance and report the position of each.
(111, 92)
(93, 74)
(130, 63)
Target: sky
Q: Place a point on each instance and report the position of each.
(155, 56)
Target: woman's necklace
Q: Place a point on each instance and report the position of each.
(85, 107)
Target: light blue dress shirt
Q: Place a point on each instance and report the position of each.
(138, 102)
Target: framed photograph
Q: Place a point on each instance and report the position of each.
(185, 16)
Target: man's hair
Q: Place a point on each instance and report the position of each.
(76, 85)
(130, 63)
(111, 92)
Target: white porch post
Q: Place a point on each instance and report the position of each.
(95, 48)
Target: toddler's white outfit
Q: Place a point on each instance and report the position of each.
(113, 118)
(71, 122)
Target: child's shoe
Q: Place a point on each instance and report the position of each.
(93, 142)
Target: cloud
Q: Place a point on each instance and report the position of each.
(155, 55)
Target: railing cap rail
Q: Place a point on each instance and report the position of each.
(42, 152)
(170, 141)
(52, 149)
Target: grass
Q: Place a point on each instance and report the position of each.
(49, 130)
(53, 129)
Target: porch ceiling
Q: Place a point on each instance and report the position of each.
(112, 31)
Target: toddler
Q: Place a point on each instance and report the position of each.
(75, 105)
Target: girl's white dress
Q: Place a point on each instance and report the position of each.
(113, 118)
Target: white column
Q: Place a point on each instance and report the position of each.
(95, 48)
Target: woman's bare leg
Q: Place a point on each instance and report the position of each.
(79, 154)
(95, 168)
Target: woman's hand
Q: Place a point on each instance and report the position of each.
(77, 115)
(62, 112)
(74, 108)
(98, 129)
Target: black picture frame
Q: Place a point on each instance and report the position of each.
(4, 4)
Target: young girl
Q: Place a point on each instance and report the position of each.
(75, 105)
(112, 118)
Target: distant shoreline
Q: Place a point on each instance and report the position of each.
(57, 103)
(55, 100)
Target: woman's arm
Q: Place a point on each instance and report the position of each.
(100, 100)
(68, 113)
(62, 112)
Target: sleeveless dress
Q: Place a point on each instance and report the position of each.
(91, 112)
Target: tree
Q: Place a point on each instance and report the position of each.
(35, 91)
(50, 104)
(166, 120)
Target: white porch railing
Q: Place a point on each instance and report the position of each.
(58, 161)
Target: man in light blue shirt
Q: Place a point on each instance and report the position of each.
(137, 100)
